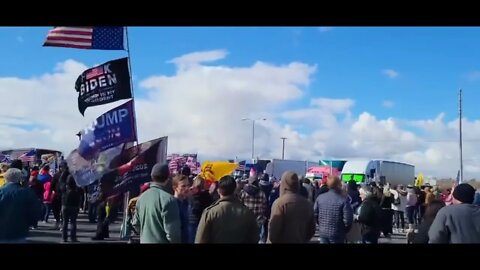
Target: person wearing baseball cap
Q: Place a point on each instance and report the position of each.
(458, 223)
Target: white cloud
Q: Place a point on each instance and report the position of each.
(392, 74)
(333, 105)
(325, 29)
(473, 76)
(388, 104)
(20, 39)
(200, 109)
(196, 58)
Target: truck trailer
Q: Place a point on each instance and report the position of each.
(278, 166)
(364, 171)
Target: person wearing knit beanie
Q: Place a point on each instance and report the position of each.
(458, 223)
(463, 193)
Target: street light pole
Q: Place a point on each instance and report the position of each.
(283, 147)
(253, 139)
(253, 133)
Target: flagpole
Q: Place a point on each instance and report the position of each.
(460, 134)
(127, 194)
(131, 83)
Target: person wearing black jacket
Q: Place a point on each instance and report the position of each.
(71, 199)
(420, 203)
(387, 213)
(369, 216)
(352, 190)
(266, 187)
(58, 186)
(104, 220)
(200, 199)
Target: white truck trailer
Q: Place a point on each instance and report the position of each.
(278, 166)
(382, 171)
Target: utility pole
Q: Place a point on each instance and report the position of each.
(283, 147)
(460, 134)
(253, 133)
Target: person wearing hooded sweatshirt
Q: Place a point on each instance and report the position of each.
(292, 219)
(458, 223)
(254, 199)
(334, 213)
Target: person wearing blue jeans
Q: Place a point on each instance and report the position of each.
(192, 232)
(324, 240)
(46, 209)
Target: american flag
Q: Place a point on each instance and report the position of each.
(241, 165)
(28, 156)
(100, 38)
(94, 72)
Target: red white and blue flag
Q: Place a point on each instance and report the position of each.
(86, 37)
(28, 156)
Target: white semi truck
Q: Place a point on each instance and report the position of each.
(382, 171)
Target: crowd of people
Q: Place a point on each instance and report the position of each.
(184, 208)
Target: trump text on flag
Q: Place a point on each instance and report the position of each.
(110, 129)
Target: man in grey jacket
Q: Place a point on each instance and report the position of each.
(458, 223)
(157, 215)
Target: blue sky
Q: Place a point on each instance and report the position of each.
(432, 62)
(407, 73)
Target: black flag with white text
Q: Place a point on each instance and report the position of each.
(106, 83)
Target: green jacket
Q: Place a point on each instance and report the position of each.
(157, 217)
(227, 221)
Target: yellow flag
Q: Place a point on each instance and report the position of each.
(214, 170)
(419, 181)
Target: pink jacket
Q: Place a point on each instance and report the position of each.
(47, 195)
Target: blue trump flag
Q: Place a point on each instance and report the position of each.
(112, 128)
(83, 37)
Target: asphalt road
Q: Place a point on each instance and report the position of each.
(45, 233)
